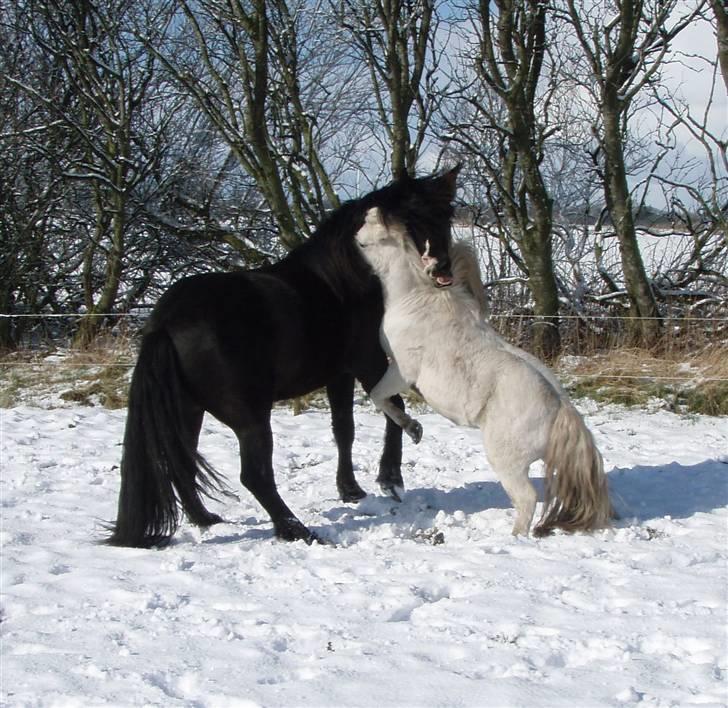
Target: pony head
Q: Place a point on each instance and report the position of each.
(420, 209)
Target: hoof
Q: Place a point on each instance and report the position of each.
(351, 494)
(393, 491)
(414, 430)
(207, 520)
(542, 531)
(390, 477)
(320, 540)
(294, 530)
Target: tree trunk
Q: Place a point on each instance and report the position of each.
(400, 142)
(6, 331)
(721, 19)
(511, 53)
(91, 323)
(536, 227)
(536, 250)
(639, 289)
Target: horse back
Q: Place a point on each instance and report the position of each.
(254, 335)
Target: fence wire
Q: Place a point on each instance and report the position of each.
(494, 316)
(681, 335)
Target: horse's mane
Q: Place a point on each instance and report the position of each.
(466, 271)
(420, 204)
(331, 251)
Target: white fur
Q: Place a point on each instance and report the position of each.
(439, 341)
(467, 273)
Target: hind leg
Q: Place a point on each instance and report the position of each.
(341, 399)
(189, 494)
(521, 493)
(511, 468)
(256, 474)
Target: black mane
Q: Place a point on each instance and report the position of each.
(332, 253)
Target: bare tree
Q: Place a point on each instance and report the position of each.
(399, 43)
(110, 184)
(721, 22)
(624, 45)
(258, 69)
(502, 117)
(34, 267)
(694, 187)
(105, 77)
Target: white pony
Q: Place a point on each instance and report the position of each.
(438, 340)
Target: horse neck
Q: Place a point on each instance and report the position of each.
(335, 262)
(399, 275)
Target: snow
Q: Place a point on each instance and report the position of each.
(426, 603)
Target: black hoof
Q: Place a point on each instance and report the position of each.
(390, 481)
(414, 430)
(208, 519)
(351, 494)
(320, 540)
(294, 530)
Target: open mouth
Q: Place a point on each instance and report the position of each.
(441, 279)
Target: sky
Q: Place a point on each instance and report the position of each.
(693, 79)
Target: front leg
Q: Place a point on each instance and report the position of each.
(391, 384)
(341, 398)
(370, 366)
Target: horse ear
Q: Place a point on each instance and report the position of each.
(450, 181)
(373, 229)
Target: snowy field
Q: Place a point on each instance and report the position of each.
(427, 603)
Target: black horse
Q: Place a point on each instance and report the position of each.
(234, 343)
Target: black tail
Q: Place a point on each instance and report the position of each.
(160, 466)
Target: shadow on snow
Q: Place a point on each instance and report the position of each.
(672, 489)
(639, 494)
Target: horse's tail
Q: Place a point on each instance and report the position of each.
(160, 466)
(576, 494)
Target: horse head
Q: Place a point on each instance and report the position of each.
(420, 209)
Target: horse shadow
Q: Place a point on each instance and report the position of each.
(679, 491)
(418, 509)
(639, 494)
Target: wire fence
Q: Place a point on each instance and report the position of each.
(583, 336)
(500, 315)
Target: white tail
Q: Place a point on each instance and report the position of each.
(576, 496)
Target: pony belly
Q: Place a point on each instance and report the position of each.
(399, 344)
(435, 365)
(450, 398)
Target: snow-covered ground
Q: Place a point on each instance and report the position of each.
(388, 615)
